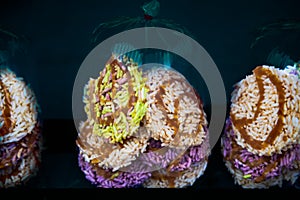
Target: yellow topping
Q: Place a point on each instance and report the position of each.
(123, 123)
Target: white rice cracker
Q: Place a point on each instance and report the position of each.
(19, 109)
(98, 150)
(265, 110)
(175, 114)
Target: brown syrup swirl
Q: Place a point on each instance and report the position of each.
(13, 170)
(23, 147)
(235, 154)
(173, 123)
(240, 124)
(5, 110)
(115, 64)
(169, 176)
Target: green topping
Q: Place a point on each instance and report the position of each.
(115, 175)
(144, 92)
(123, 123)
(98, 113)
(247, 176)
(138, 112)
(106, 76)
(116, 132)
(119, 73)
(138, 81)
(106, 109)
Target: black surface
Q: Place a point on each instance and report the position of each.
(59, 168)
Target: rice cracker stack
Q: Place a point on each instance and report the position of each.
(260, 144)
(143, 128)
(177, 123)
(20, 136)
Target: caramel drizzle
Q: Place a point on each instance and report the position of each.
(26, 145)
(169, 176)
(102, 172)
(174, 123)
(109, 119)
(132, 99)
(15, 168)
(240, 124)
(235, 154)
(171, 122)
(104, 150)
(6, 110)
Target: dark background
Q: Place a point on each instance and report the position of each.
(57, 38)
